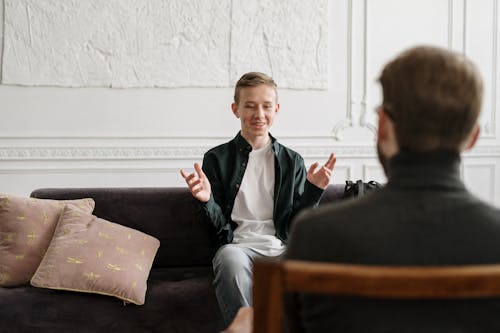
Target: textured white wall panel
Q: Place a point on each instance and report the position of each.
(126, 43)
(163, 43)
(286, 38)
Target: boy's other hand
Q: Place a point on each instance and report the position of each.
(321, 178)
(198, 183)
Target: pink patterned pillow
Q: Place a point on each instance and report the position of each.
(92, 255)
(26, 228)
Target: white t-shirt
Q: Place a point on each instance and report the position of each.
(253, 205)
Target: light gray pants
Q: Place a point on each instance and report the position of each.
(233, 278)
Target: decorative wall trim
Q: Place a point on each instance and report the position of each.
(281, 135)
(92, 170)
(345, 169)
(350, 152)
(495, 72)
(464, 24)
(456, 25)
(487, 169)
(76, 153)
(156, 153)
(450, 24)
(370, 169)
(358, 53)
(364, 99)
(347, 121)
(356, 105)
(488, 127)
(484, 151)
(357, 48)
(99, 153)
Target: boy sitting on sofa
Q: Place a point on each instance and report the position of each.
(250, 188)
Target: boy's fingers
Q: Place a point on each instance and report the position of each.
(190, 177)
(332, 164)
(195, 182)
(313, 167)
(331, 161)
(199, 171)
(197, 190)
(183, 174)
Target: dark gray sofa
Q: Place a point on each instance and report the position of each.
(180, 297)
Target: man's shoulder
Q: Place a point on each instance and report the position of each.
(480, 207)
(349, 206)
(319, 232)
(338, 214)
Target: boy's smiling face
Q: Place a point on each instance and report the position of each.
(256, 110)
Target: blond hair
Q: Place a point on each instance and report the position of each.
(253, 79)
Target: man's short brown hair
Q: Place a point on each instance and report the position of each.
(253, 79)
(433, 96)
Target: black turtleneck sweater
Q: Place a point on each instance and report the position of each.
(423, 216)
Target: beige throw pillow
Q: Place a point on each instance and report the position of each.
(26, 228)
(90, 254)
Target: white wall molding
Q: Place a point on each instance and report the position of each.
(175, 152)
(495, 71)
(470, 31)
(46, 153)
(347, 121)
(484, 151)
(489, 128)
(364, 96)
(100, 153)
(341, 151)
(93, 170)
(457, 25)
(357, 66)
(481, 178)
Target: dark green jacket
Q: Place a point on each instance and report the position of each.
(225, 166)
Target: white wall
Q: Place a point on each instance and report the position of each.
(69, 137)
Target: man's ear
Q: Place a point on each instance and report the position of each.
(386, 135)
(234, 107)
(473, 137)
(277, 107)
(382, 129)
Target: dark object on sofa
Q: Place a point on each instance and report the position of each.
(180, 296)
(359, 188)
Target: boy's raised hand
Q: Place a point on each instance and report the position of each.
(198, 183)
(321, 178)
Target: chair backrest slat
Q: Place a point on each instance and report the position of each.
(272, 278)
(442, 282)
(268, 296)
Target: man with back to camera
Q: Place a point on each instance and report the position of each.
(423, 216)
(250, 188)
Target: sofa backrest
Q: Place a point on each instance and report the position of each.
(169, 214)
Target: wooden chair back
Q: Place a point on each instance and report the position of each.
(272, 278)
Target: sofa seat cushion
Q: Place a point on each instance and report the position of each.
(177, 300)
